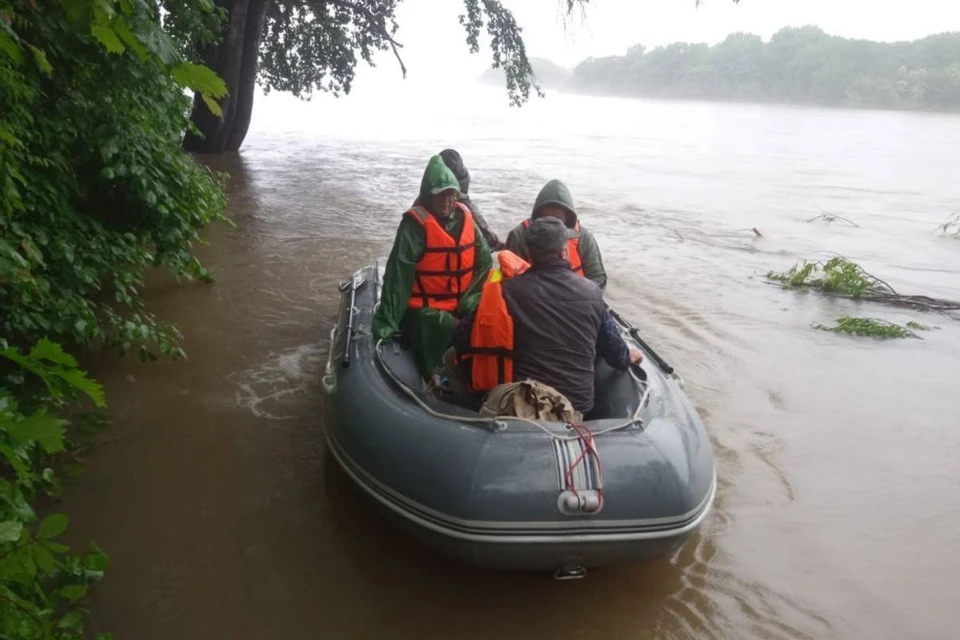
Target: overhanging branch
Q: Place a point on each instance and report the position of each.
(379, 22)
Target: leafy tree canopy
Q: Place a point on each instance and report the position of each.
(800, 65)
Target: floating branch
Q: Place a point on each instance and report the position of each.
(952, 226)
(843, 278)
(872, 327)
(832, 217)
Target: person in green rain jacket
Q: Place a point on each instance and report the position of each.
(555, 200)
(429, 330)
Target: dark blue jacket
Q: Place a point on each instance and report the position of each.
(560, 326)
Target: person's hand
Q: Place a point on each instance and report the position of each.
(636, 357)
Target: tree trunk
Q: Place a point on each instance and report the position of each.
(243, 107)
(235, 60)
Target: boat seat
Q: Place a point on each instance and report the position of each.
(399, 357)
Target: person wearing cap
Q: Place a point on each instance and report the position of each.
(435, 271)
(554, 200)
(546, 324)
(454, 162)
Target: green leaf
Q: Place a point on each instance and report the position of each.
(10, 531)
(129, 38)
(12, 353)
(45, 429)
(212, 105)
(199, 78)
(79, 380)
(72, 620)
(46, 349)
(107, 37)
(73, 592)
(159, 44)
(56, 547)
(8, 43)
(22, 565)
(44, 559)
(52, 526)
(96, 559)
(41, 59)
(31, 250)
(9, 138)
(17, 458)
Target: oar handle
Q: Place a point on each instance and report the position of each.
(635, 334)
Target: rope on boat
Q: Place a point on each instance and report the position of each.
(499, 423)
(493, 422)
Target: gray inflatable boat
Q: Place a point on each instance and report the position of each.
(628, 486)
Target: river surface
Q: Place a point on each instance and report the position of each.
(838, 511)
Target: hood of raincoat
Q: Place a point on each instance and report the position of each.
(454, 162)
(557, 193)
(437, 178)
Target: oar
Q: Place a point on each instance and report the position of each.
(635, 334)
(354, 284)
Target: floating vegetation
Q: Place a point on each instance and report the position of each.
(952, 226)
(846, 279)
(832, 217)
(872, 327)
(837, 275)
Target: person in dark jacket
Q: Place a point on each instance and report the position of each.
(454, 162)
(555, 200)
(560, 322)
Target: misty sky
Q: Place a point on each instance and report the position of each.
(434, 41)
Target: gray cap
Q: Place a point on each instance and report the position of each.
(548, 235)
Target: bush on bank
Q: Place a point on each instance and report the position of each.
(94, 190)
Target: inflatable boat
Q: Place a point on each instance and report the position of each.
(629, 485)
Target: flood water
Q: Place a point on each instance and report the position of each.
(838, 510)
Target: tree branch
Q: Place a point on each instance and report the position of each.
(377, 21)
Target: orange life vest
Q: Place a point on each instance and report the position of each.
(491, 337)
(573, 245)
(445, 270)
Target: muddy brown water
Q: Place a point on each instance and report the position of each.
(838, 512)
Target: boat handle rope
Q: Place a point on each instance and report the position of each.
(499, 423)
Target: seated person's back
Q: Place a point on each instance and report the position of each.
(557, 318)
(550, 324)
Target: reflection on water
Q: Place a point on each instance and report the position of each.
(836, 510)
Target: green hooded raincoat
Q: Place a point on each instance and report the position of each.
(429, 331)
(555, 192)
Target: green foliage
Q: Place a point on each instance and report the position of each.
(842, 277)
(799, 65)
(837, 275)
(871, 327)
(41, 584)
(506, 44)
(309, 46)
(95, 188)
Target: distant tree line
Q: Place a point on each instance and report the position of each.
(798, 65)
(547, 73)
